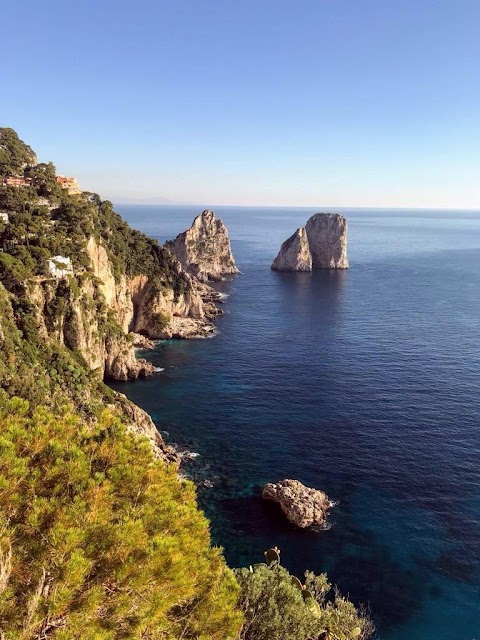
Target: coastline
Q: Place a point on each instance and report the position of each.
(171, 452)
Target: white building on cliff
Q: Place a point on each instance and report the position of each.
(59, 266)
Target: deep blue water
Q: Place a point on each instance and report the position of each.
(364, 383)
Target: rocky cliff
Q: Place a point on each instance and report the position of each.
(295, 253)
(68, 332)
(93, 314)
(74, 314)
(320, 244)
(143, 305)
(138, 421)
(204, 250)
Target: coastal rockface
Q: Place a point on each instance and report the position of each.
(158, 312)
(80, 290)
(204, 250)
(320, 244)
(94, 315)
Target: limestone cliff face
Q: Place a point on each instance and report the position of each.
(103, 318)
(80, 327)
(74, 315)
(204, 250)
(94, 315)
(142, 307)
(327, 238)
(321, 244)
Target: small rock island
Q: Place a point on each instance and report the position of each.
(320, 244)
(204, 250)
(303, 506)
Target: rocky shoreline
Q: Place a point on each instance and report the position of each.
(204, 254)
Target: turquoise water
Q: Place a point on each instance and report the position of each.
(364, 383)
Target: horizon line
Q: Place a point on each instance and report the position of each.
(293, 206)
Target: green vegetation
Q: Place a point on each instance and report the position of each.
(277, 606)
(41, 370)
(37, 232)
(43, 177)
(159, 321)
(14, 153)
(100, 541)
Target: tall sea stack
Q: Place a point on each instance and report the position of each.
(204, 250)
(320, 244)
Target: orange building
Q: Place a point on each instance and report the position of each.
(70, 184)
(16, 181)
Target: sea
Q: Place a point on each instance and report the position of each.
(364, 383)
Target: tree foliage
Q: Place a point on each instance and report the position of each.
(14, 153)
(277, 607)
(44, 180)
(100, 541)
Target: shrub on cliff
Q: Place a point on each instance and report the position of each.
(100, 541)
(276, 607)
(158, 322)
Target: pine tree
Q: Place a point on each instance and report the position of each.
(100, 541)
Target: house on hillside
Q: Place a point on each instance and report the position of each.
(60, 266)
(17, 181)
(70, 184)
(4, 217)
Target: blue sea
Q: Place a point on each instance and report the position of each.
(364, 383)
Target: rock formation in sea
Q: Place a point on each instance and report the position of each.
(295, 253)
(303, 506)
(204, 250)
(320, 244)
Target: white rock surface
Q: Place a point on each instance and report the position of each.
(320, 244)
(295, 253)
(302, 505)
(327, 239)
(204, 250)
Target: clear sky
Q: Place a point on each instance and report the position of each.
(273, 102)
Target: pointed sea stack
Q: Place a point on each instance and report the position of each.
(320, 244)
(294, 254)
(204, 250)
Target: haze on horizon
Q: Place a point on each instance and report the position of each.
(311, 103)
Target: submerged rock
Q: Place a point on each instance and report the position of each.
(204, 250)
(320, 244)
(303, 506)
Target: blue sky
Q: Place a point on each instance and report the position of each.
(271, 102)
